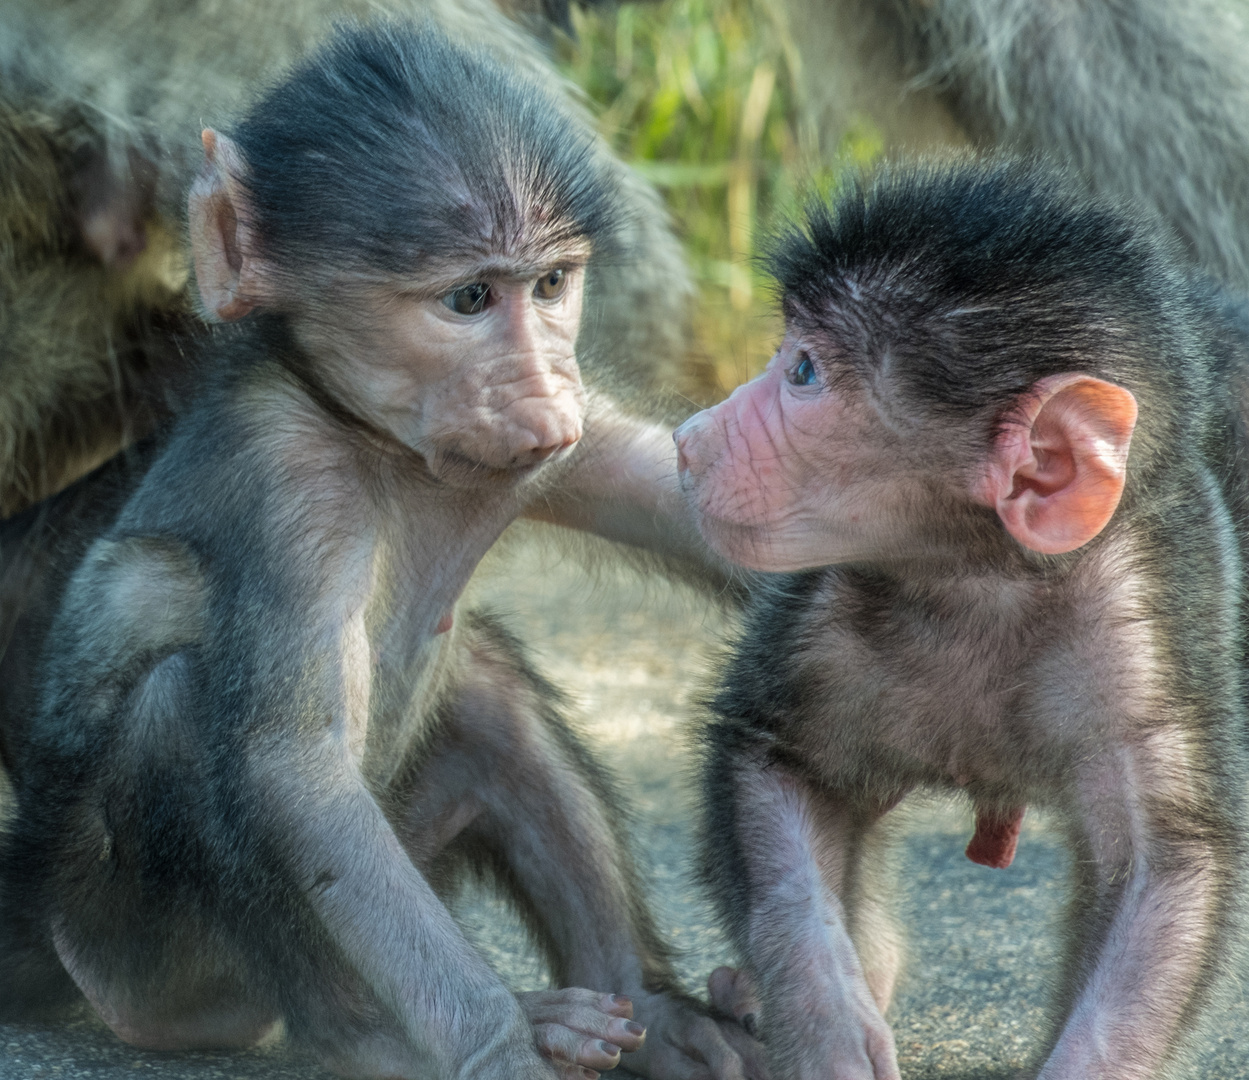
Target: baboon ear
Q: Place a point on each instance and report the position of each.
(228, 268)
(1056, 473)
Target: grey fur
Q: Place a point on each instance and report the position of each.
(1147, 99)
(1106, 683)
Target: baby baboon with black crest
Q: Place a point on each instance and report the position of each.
(1000, 457)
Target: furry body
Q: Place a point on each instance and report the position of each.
(250, 734)
(1012, 423)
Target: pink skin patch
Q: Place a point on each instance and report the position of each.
(445, 623)
(996, 837)
(785, 474)
(737, 455)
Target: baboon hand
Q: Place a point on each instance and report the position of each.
(581, 1031)
(684, 1043)
(732, 993)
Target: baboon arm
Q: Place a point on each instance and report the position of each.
(385, 918)
(796, 847)
(622, 485)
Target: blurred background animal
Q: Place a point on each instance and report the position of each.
(1147, 99)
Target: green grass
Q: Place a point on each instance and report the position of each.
(702, 97)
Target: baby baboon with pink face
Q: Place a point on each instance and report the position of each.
(1000, 456)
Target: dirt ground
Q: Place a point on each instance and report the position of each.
(636, 656)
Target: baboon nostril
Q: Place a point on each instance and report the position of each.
(541, 453)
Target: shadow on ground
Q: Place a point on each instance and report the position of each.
(982, 943)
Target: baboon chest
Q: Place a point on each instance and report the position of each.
(942, 690)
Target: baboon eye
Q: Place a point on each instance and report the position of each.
(803, 372)
(469, 299)
(551, 285)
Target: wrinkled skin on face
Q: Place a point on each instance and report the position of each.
(813, 464)
(483, 397)
(787, 472)
(473, 367)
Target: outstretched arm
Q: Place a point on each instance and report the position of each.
(622, 485)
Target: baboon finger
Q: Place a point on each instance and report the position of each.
(563, 1045)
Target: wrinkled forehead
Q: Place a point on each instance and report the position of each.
(506, 232)
(436, 275)
(452, 253)
(499, 220)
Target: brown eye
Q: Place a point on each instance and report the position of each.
(469, 300)
(551, 286)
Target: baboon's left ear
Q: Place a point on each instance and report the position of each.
(1056, 473)
(228, 268)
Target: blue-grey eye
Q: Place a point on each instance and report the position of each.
(469, 299)
(803, 372)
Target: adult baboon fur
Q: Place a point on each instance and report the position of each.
(1147, 99)
(101, 105)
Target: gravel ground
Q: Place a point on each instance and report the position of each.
(981, 941)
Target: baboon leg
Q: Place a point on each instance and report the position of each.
(870, 918)
(79, 908)
(509, 787)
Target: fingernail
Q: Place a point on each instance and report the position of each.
(588, 1074)
(748, 1022)
(634, 1028)
(610, 1049)
(620, 999)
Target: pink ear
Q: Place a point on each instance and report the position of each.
(1056, 474)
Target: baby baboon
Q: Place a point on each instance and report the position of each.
(1001, 456)
(249, 731)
